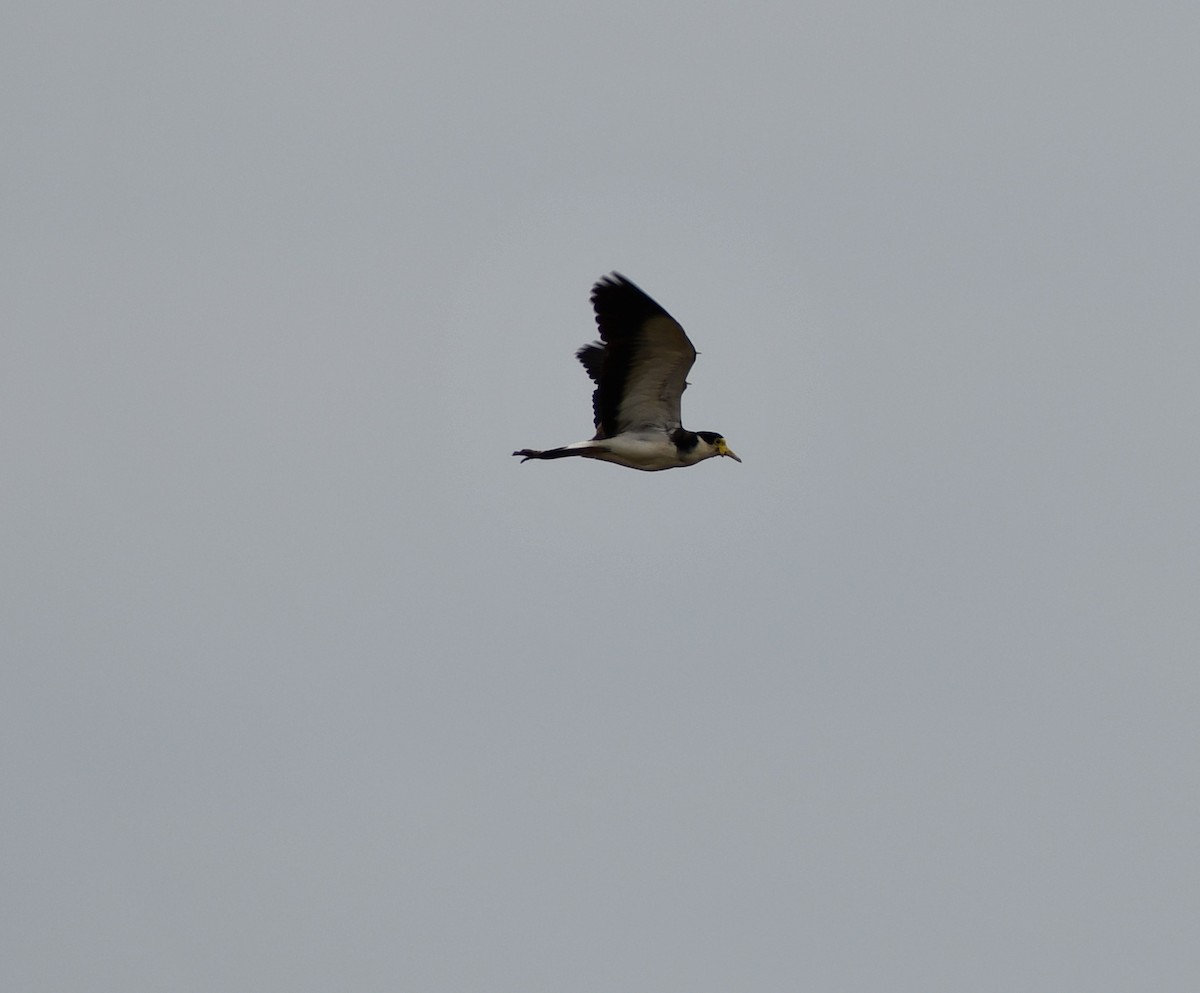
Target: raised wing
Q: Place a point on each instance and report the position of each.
(640, 364)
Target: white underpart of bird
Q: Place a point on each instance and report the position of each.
(640, 368)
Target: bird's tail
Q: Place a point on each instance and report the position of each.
(556, 453)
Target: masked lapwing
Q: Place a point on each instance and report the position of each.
(639, 366)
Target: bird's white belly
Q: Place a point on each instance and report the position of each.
(649, 452)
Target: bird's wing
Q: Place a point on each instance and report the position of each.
(640, 364)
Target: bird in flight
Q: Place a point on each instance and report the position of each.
(639, 366)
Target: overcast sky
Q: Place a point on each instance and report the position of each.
(310, 686)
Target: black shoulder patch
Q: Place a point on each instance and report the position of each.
(684, 440)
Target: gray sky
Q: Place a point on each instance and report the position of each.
(310, 686)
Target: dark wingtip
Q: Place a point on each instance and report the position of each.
(613, 281)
